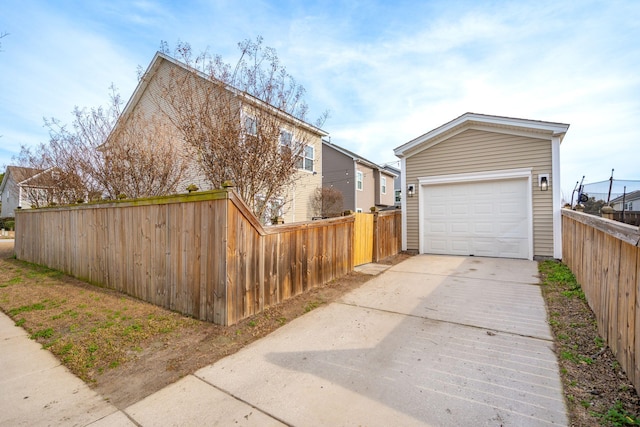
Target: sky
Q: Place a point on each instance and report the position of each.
(387, 72)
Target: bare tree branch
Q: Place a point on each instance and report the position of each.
(241, 123)
(144, 162)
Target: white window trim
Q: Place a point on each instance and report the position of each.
(245, 117)
(280, 137)
(305, 158)
(383, 185)
(360, 180)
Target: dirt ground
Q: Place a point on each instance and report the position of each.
(146, 347)
(596, 389)
(127, 349)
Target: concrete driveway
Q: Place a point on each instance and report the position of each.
(435, 340)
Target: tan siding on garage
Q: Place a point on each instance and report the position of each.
(479, 151)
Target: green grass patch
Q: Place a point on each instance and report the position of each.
(311, 306)
(14, 281)
(556, 273)
(43, 333)
(617, 416)
(27, 308)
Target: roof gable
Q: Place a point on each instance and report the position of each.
(155, 65)
(357, 158)
(629, 197)
(499, 124)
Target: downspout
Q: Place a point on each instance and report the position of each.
(355, 187)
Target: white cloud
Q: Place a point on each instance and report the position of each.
(387, 72)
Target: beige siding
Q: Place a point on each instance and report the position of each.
(389, 198)
(365, 199)
(298, 202)
(480, 151)
(300, 208)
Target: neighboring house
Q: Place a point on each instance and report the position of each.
(298, 204)
(363, 183)
(397, 183)
(18, 189)
(631, 202)
(484, 185)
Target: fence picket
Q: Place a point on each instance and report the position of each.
(605, 258)
(202, 254)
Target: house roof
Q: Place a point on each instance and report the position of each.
(535, 128)
(357, 158)
(393, 169)
(19, 174)
(153, 68)
(634, 195)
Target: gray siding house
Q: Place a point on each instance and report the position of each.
(363, 183)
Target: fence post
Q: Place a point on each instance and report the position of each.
(376, 237)
(607, 212)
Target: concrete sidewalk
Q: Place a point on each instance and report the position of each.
(36, 390)
(435, 341)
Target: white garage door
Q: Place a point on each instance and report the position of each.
(483, 218)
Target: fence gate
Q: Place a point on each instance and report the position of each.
(363, 239)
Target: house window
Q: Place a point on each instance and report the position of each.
(273, 208)
(359, 184)
(398, 196)
(286, 138)
(383, 185)
(305, 161)
(250, 125)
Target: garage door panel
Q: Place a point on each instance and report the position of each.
(484, 228)
(483, 208)
(486, 218)
(436, 228)
(459, 228)
(438, 246)
(460, 247)
(513, 229)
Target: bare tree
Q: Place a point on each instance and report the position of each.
(328, 202)
(138, 160)
(2, 35)
(243, 123)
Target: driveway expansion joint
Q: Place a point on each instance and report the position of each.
(490, 331)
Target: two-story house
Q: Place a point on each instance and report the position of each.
(23, 187)
(397, 183)
(155, 93)
(628, 202)
(363, 183)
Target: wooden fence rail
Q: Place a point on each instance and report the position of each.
(604, 255)
(203, 254)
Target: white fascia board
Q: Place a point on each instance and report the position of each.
(492, 122)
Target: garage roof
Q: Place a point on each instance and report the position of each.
(537, 128)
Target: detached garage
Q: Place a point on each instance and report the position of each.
(485, 186)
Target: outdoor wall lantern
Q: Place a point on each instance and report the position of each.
(543, 182)
(410, 190)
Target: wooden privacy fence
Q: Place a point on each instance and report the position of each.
(203, 254)
(605, 258)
